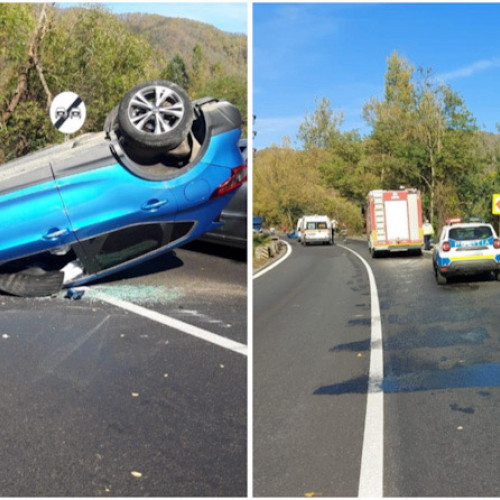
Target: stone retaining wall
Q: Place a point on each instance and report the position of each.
(266, 253)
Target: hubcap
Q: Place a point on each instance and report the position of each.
(155, 110)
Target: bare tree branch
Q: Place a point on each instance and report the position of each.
(36, 61)
(22, 83)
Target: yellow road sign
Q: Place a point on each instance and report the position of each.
(496, 204)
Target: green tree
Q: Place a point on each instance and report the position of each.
(45, 51)
(423, 136)
(320, 129)
(390, 143)
(199, 72)
(176, 71)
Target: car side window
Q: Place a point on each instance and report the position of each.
(117, 247)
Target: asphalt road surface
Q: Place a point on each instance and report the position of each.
(441, 372)
(99, 401)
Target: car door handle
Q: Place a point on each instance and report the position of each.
(154, 204)
(55, 233)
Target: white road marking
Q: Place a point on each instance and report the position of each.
(372, 459)
(272, 266)
(168, 321)
(203, 317)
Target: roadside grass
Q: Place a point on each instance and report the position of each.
(260, 239)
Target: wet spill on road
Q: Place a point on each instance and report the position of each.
(362, 345)
(359, 321)
(437, 337)
(468, 410)
(412, 339)
(456, 315)
(357, 385)
(457, 377)
(484, 394)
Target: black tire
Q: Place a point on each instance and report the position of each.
(441, 278)
(32, 282)
(155, 115)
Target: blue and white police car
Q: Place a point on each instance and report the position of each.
(466, 247)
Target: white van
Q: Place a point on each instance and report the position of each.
(316, 229)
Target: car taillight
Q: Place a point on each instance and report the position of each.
(238, 177)
(446, 246)
(496, 243)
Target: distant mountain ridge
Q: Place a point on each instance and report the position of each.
(173, 36)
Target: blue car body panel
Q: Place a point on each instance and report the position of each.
(257, 223)
(28, 217)
(204, 223)
(442, 261)
(111, 197)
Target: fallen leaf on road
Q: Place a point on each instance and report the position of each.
(136, 474)
(134, 394)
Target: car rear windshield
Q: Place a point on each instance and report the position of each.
(316, 225)
(470, 233)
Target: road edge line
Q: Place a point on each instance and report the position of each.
(371, 475)
(194, 331)
(279, 261)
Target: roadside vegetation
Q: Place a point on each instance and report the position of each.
(423, 136)
(45, 50)
(260, 239)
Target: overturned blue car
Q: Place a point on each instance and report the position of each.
(157, 177)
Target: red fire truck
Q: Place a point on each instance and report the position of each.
(394, 221)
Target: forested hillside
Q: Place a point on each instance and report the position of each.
(45, 50)
(422, 136)
(174, 36)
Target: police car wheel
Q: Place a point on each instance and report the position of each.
(441, 279)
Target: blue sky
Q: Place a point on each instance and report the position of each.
(304, 51)
(231, 17)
